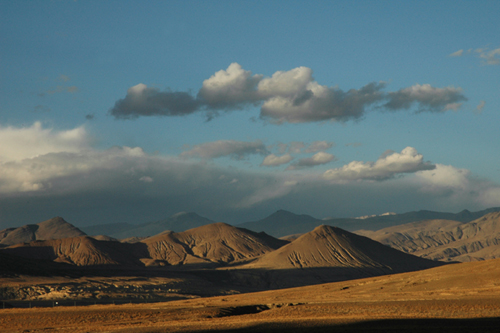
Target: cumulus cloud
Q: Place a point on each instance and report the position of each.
(317, 159)
(19, 143)
(314, 103)
(427, 98)
(144, 101)
(286, 97)
(387, 166)
(230, 88)
(234, 149)
(273, 160)
(319, 146)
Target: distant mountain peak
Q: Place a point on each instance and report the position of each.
(179, 214)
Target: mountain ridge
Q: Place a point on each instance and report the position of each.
(54, 228)
(445, 239)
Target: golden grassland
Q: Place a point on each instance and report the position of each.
(454, 298)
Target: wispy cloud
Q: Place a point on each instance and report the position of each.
(234, 149)
(480, 107)
(488, 56)
(273, 160)
(319, 158)
(319, 146)
(63, 78)
(458, 53)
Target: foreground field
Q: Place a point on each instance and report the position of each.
(454, 298)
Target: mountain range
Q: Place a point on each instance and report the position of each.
(279, 224)
(226, 254)
(283, 223)
(444, 240)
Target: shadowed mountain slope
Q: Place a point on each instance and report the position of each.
(445, 240)
(55, 228)
(80, 251)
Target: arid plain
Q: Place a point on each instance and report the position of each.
(461, 297)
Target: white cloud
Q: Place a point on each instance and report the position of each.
(458, 53)
(444, 177)
(450, 184)
(427, 98)
(317, 159)
(273, 160)
(235, 149)
(26, 142)
(38, 173)
(319, 146)
(289, 83)
(230, 88)
(387, 166)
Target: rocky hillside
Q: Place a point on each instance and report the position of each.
(445, 240)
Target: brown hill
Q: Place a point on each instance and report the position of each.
(328, 246)
(445, 240)
(326, 254)
(55, 228)
(80, 251)
(218, 243)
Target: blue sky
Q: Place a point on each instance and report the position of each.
(130, 111)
